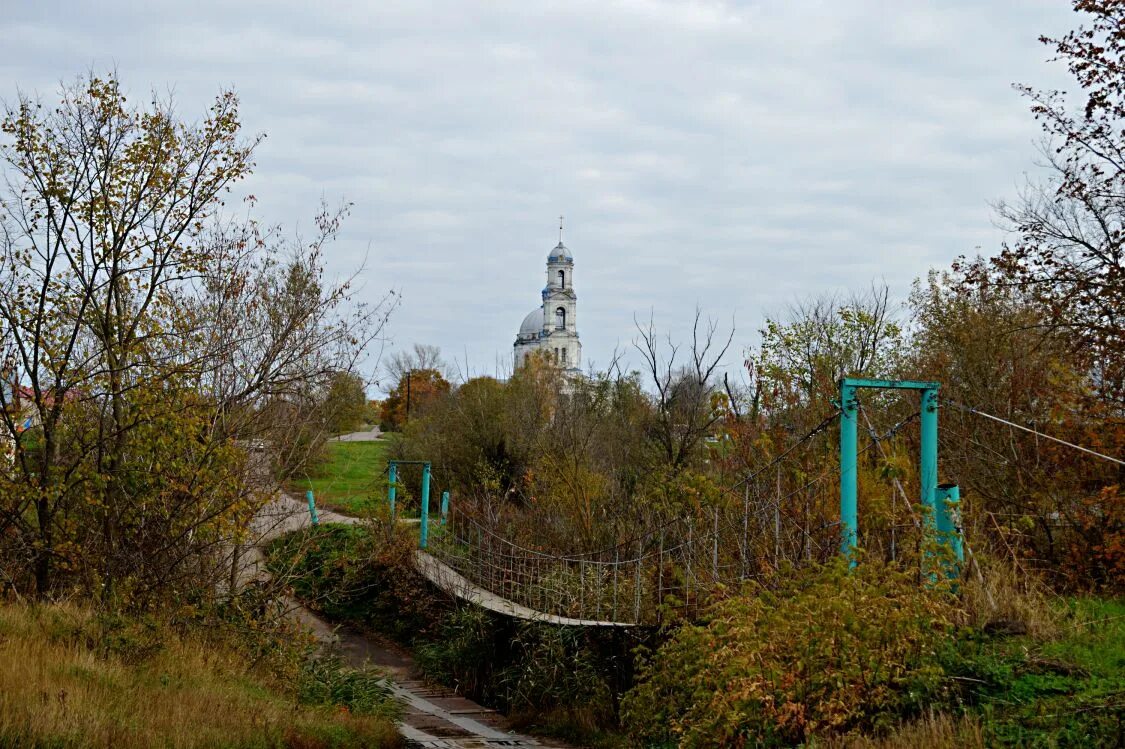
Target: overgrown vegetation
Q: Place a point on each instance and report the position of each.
(828, 651)
(565, 682)
(165, 367)
(71, 678)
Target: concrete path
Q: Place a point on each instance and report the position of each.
(369, 436)
(434, 717)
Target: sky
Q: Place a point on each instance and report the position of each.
(735, 156)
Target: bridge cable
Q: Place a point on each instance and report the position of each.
(971, 410)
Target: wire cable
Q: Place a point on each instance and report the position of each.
(972, 410)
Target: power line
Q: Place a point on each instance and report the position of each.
(971, 410)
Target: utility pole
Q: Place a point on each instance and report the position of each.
(408, 373)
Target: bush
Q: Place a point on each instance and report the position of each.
(356, 574)
(829, 652)
(462, 654)
(327, 681)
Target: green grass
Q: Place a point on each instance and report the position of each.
(353, 476)
(1067, 691)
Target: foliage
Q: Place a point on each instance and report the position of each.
(151, 684)
(412, 395)
(1061, 692)
(345, 402)
(157, 347)
(802, 357)
(993, 351)
(353, 573)
(827, 652)
(462, 654)
(327, 681)
(558, 678)
(1069, 255)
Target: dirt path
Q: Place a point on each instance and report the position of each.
(433, 716)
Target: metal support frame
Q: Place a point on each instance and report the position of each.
(849, 409)
(312, 507)
(424, 532)
(392, 486)
(392, 476)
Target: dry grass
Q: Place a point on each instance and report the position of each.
(56, 690)
(1008, 598)
(935, 731)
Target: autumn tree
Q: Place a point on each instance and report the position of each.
(418, 356)
(1069, 254)
(415, 391)
(150, 335)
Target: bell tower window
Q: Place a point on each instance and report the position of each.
(562, 279)
(560, 318)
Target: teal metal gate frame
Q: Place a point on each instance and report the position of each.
(392, 485)
(941, 503)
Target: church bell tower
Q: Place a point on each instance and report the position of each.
(552, 328)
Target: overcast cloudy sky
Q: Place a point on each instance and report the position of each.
(734, 155)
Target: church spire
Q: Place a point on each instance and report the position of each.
(560, 229)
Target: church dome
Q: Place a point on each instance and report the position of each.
(532, 324)
(560, 253)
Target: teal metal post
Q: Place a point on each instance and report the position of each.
(928, 467)
(848, 477)
(948, 525)
(392, 475)
(423, 537)
(444, 507)
(312, 507)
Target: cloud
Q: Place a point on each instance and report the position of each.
(733, 155)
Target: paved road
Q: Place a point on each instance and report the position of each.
(433, 717)
(370, 436)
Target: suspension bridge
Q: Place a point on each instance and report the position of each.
(673, 567)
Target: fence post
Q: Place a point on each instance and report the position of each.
(392, 479)
(444, 507)
(637, 590)
(929, 458)
(312, 507)
(424, 534)
(848, 472)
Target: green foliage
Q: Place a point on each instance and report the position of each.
(801, 358)
(327, 681)
(554, 670)
(345, 404)
(828, 652)
(351, 573)
(462, 653)
(1064, 692)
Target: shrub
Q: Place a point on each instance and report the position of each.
(356, 574)
(462, 654)
(828, 652)
(327, 681)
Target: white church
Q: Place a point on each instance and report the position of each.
(550, 327)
